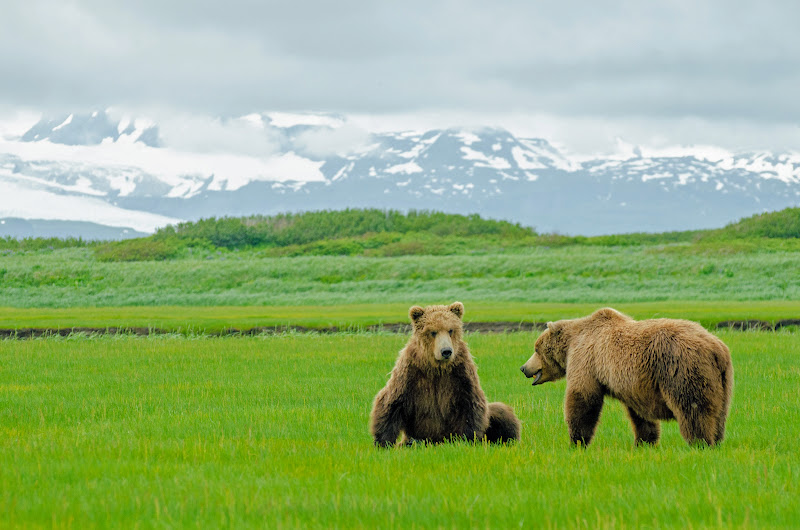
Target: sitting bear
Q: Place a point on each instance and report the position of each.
(433, 393)
(659, 369)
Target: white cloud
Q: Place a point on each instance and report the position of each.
(619, 58)
(323, 142)
(644, 71)
(14, 122)
(586, 136)
(204, 134)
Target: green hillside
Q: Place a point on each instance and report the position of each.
(386, 233)
(782, 224)
(350, 232)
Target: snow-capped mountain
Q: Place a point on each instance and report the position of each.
(134, 174)
(92, 129)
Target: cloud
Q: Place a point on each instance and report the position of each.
(198, 133)
(324, 142)
(14, 122)
(720, 61)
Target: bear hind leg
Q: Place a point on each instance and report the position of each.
(504, 425)
(699, 429)
(645, 431)
(727, 390)
(697, 426)
(719, 423)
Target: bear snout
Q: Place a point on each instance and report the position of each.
(534, 365)
(446, 353)
(537, 375)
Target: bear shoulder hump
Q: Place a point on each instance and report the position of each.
(609, 313)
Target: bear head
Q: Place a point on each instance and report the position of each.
(438, 331)
(549, 359)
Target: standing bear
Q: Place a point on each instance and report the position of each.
(659, 369)
(433, 393)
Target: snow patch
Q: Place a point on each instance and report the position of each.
(82, 184)
(407, 168)
(345, 169)
(179, 170)
(467, 138)
(786, 169)
(123, 124)
(26, 203)
(419, 146)
(554, 157)
(485, 161)
(525, 159)
(64, 123)
(656, 176)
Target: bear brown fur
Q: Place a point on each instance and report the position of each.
(433, 393)
(659, 369)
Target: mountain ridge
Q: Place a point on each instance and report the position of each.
(278, 166)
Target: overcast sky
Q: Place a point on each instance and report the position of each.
(722, 72)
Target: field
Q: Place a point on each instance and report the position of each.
(197, 320)
(195, 425)
(272, 431)
(574, 274)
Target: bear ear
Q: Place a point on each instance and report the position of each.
(457, 308)
(415, 313)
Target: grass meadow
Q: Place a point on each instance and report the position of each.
(73, 277)
(196, 320)
(271, 431)
(187, 429)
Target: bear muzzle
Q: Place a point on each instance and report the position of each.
(443, 347)
(537, 375)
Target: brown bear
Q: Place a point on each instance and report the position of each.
(659, 369)
(433, 394)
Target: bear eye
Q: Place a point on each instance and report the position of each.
(433, 333)
(451, 332)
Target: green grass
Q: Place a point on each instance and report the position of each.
(199, 320)
(272, 431)
(575, 274)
